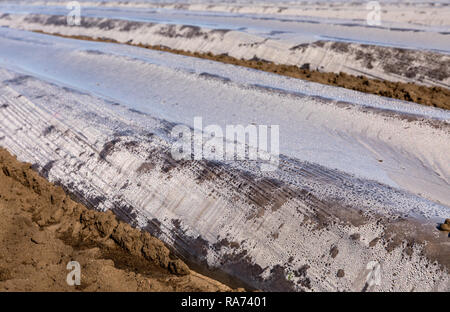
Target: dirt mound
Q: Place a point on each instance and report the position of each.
(42, 229)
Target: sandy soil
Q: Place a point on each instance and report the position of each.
(42, 229)
(426, 95)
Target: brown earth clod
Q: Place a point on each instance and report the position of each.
(445, 227)
(42, 229)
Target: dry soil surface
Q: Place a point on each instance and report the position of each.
(42, 229)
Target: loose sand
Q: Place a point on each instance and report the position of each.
(42, 229)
